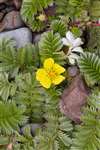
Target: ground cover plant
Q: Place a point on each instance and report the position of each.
(50, 88)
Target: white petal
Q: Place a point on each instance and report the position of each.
(72, 61)
(65, 42)
(77, 49)
(70, 37)
(69, 51)
(72, 58)
(77, 42)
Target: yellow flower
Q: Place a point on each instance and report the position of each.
(50, 73)
(42, 17)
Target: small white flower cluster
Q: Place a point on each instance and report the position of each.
(74, 47)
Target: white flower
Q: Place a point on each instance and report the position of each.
(74, 46)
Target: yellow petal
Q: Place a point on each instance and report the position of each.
(58, 69)
(58, 79)
(42, 76)
(48, 63)
(45, 82)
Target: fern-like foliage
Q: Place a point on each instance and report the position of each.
(31, 96)
(72, 8)
(56, 135)
(52, 100)
(59, 26)
(11, 60)
(4, 140)
(10, 117)
(87, 136)
(93, 42)
(7, 55)
(95, 9)
(89, 64)
(36, 25)
(29, 11)
(50, 45)
(7, 89)
(31, 7)
(25, 141)
(57, 130)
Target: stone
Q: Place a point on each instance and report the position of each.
(1, 16)
(3, 1)
(12, 20)
(9, 3)
(10, 146)
(2, 6)
(50, 11)
(74, 98)
(73, 71)
(32, 126)
(17, 3)
(8, 9)
(36, 38)
(22, 36)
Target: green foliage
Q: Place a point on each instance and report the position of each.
(73, 8)
(4, 140)
(12, 60)
(57, 129)
(7, 89)
(93, 42)
(7, 55)
(59, 26)
(76, 31)
(52, 100)
(89, 64)
(56, 134)
(87, 136)
(36, 24)
(50, 45)
(95, 9)
(31, 9)
(10, 117)
(30, 95)
(25, 141)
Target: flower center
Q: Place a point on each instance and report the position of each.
(51, 74)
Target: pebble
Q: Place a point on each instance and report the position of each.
(3, 1)
(1, 16)
(73, 71)
(17, 3)
(74, 98)
(33, 128)
(12, 20)
(36, 38)
(22, 36)
(2, 6)
(8, 9)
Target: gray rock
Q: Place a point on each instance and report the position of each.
(74, 99)
(1, 16)
(2, 6)
(17, 3)
(33, 127)
(8, 9)
(22, 36)
(3, 1)
(73, 71)
(36, 38)
(12, 20)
